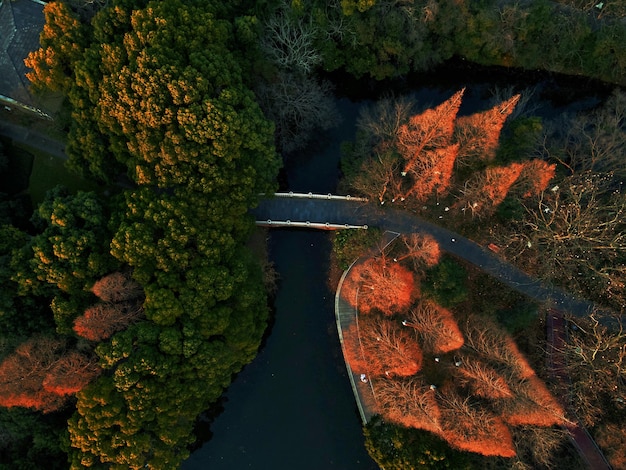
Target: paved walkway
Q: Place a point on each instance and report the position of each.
(346, 316)
(33, 138)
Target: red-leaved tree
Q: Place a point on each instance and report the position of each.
(478, 134)
(430, 174)
(482, 380)
(533, 404)
(485, 190)
(496, 346)
(535, 176)
(41, 373)
(377, 284)
(102, 320)
(71, 373)
(429, 130)
(117, 287)
(473, 428)
(408, 402)
(378, 346)
(436, 326)
(22, 374)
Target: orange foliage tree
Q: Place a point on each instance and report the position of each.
(117, 287)
(479, 133)
(379, 346)
(432, 175)
(71, 373)
(535, 176)
(437, 327)
(40, 374)
(102, 320)
(425, 144)
(482, 380)
(22, 374)
(376, 284)
(429, 130)
(408, 402)
(485, 190)
(474, 428)
(418, 161)
(533, 404)
(423, 249)
(496, 346)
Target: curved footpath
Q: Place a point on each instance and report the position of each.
(347, 315)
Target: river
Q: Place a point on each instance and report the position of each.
(292, 407)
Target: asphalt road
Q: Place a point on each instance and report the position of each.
(33, 138)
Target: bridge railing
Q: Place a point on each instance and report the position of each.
(328, 196)
(307, 224)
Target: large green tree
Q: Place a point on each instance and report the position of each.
(162, 94)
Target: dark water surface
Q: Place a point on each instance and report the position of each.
(292, 407)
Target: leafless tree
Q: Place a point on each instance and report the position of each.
(409, 402)
(595, 353)
(381, 347)
(538, 445)
(382, 120)
(436, 326)
(86, 9)
(591, 142)
(289, 41)
(575, 235)
(299, 105)
(380, 176)
(526, 105)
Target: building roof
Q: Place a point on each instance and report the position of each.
(21, 22)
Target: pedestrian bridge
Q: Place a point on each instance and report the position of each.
(309, 210)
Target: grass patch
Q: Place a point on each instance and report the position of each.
(348, 245)
(49, 171)
(15, 177)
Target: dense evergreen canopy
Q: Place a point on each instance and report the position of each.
(160, 102)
